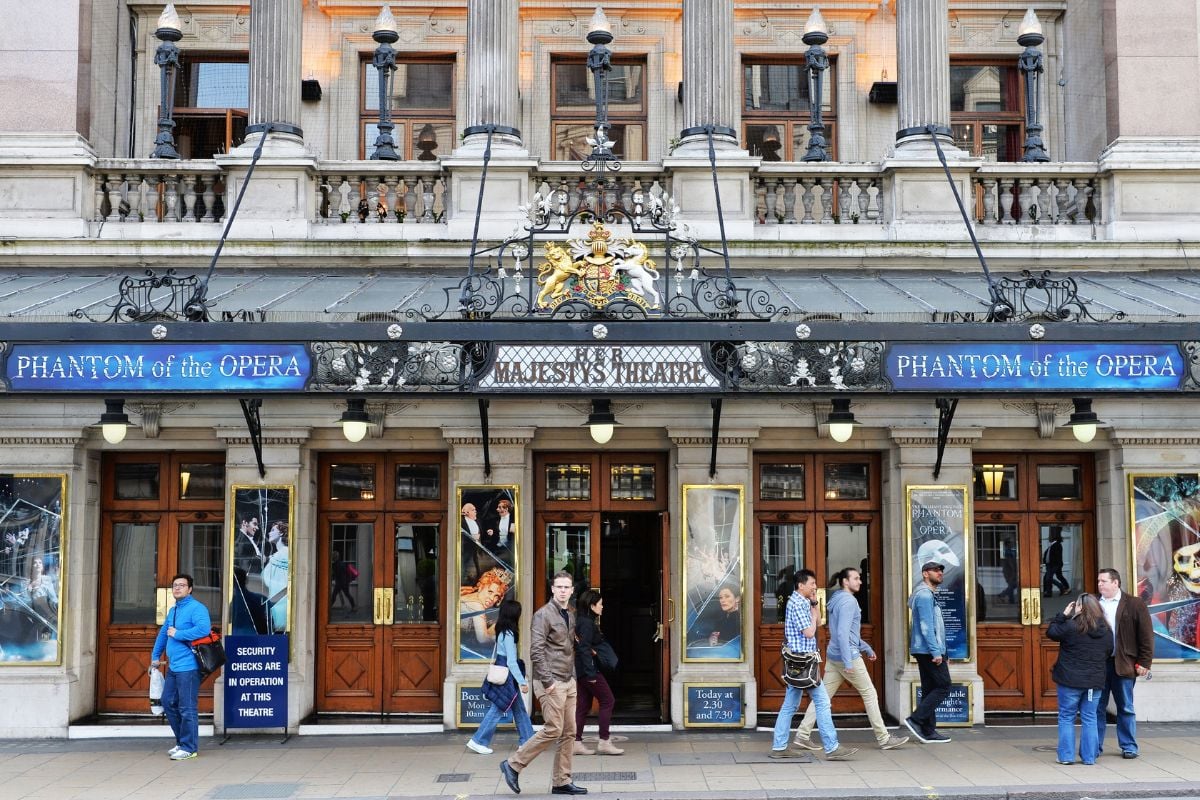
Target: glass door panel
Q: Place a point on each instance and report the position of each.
(200, 557)
(569, 549)
(416, 576)
(1063, 576)
(352, 555)
(134, 573)
(846, 545)
(997, 572)
(782, 557)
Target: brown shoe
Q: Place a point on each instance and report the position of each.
(606, 748)
(580, 749)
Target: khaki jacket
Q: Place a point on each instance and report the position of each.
(1135, 636)
(552, 648)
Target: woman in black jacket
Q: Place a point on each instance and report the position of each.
(588, 638)
(1085, 642)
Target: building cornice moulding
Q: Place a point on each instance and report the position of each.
(496, 436)
(1156, 439)
(41, 440)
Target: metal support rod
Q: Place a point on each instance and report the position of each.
(716, 430)
(946, 408)
(1000, 310)
(730, 295)
(464, 297)
(483, 427)
(250, 409)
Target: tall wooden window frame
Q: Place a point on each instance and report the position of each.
(230, 119)
(584, 117)
(409, 121)
(790, 124)
(1010, 114)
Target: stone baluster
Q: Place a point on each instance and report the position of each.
(439, 199)
(112, 191)
(100, 192)
(427, 199)
(172, 198)
(843, 197)
(395, 186)
(1005, 201)
(1063, 201)
(324, 198)
(879, 216)
(410, 200)
(1096, 196)
(760, 201)
(383, 208)
(135, 199)
(355, 197)
(772, 199)
(807, 200)
(208, 194)
(789, 201)
(988, 187)
(189, 198)
(826, 200)
(372, 196)
(1082, 191)
(864, 197)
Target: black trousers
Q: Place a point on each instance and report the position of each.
(935, 687)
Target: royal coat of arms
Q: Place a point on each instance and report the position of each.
(598, 269)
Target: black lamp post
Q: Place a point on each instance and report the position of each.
(167, 59)
(816, 61)
(1029, 36)
(385, 61)
(599, 61)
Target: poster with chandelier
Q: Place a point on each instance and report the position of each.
(713, 534)
(1165, 513)
(936, 530)
(487, 565)
(261, 541)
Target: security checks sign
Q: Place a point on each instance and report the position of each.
(256, 681)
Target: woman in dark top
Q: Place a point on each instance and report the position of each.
(1085, 641)
(591, 684)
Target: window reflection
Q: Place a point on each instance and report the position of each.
(352, 551)
(846, 546)
(416, 587)
(782, 557)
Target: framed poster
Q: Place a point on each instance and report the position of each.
(956, 711)
(936, 530)
(713, 705)
(712, 573)
(1164, 510)
(32, 555)
(487, 565)
(260, 547)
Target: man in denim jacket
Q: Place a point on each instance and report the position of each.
(187, 621)
(927, 643)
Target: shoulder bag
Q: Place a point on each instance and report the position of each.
(210, 654)
(606, 657)
(498, 671)
(801, 670)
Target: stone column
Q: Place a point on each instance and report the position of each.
(923, 62)
(710, 75)
(493, 73)
(275, 50)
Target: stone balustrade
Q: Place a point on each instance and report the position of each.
(564, 185)
(1037, 194)
(380, 192)
(797, 193)
(135, 190)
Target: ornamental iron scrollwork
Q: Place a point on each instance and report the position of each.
(807, 366)
(1042, 296)
(1191, 351)
(153, 298)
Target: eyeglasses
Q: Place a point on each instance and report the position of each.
(180, 585)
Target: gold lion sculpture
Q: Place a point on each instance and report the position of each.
(554, 273)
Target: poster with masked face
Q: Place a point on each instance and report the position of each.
(1165, 511)
(937, 531)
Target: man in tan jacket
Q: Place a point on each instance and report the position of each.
(552, 654)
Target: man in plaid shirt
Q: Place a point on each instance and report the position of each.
(800, 636)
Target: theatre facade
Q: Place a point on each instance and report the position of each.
(361, 401)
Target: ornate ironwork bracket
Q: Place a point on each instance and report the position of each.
(250, 409)
(946, 408)
(483, 427)
(716, 430)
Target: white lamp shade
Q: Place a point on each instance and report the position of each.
(354, 430)
(1029, 24)
(114, 433)
(601, 433)
(841, 431)
(1084, 433)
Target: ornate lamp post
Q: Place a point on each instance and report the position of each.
(385, 61)
(599, 61)
(167, 59)
(1029, 35)
(816, 60)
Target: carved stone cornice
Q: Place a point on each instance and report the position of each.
(1155, 440)
(923, 437)
(40, 440)
(496, 436)
(240, 437)
(702, 437)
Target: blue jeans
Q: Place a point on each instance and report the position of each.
(1121, 690)
(492, 717)
(181, 691)
(1084, 702)
(791, 702)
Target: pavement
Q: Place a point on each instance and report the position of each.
(981, 763)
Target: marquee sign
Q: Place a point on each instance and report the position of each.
(611, 367)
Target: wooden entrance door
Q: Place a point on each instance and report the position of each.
(817, 512)
(601, 518)
(1034, 554)
(162, 514)
(379, 609)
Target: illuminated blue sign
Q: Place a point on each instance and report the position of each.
(1035, 366)
(157, 367)
(256, 690)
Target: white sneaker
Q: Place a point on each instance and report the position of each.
(173, 750)
(183, 755)
(476, 747)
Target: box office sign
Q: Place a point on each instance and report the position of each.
(157, 367)
(955, 710)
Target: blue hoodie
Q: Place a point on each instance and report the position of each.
(845, 628)
(191, 621)
(928, 630)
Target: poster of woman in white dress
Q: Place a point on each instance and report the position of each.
(261, 552)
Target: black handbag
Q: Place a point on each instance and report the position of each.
(606, 657)
(210, 654)
(801, 670)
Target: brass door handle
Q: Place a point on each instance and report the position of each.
(377, 617)
(1024, 606)
(389, 606)
(160, 605)
(671, 607)
(821, 605)
(1035, 617)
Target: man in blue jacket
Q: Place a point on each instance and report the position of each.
(844, 662)
(187, 621)
(927, 643)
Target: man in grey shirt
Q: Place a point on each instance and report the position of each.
(844, 661)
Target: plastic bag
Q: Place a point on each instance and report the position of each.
(156, 691)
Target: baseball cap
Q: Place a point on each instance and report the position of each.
(933, 565)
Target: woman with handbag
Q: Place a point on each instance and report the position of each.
(506, 693)
(593, 653)
(1084, 642)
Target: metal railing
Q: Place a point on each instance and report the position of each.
(382, 192)
(797, 193)
(134, 190)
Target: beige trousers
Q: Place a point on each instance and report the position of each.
(558, 728)
(860, 679)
